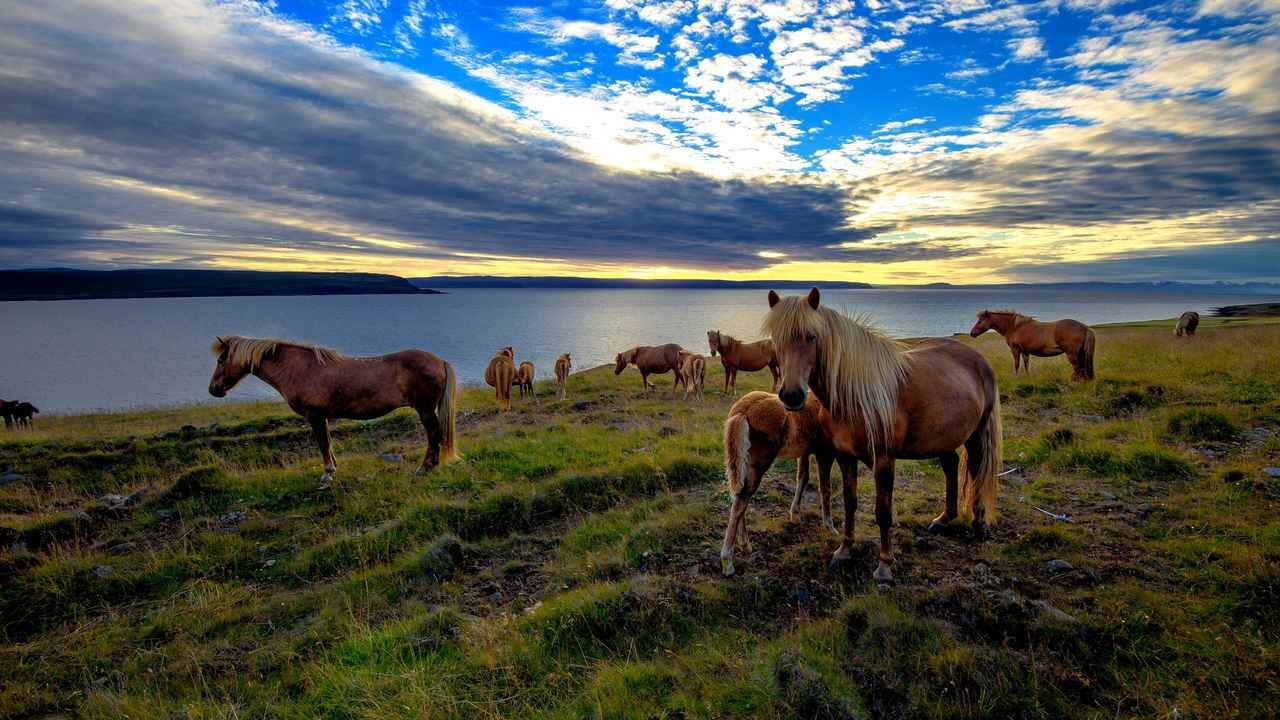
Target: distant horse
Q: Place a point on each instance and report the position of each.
(1027, 336)
(651, 360)
(1187, 324)
(319, 384)
(24, 414)
(736, 355)
(758, 431)
(524, 379)
(6, 411)
(693, 373)
(886, 403)
(501, 374)
(563, 366)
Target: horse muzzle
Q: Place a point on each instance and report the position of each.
(792, 398)
(217, 391)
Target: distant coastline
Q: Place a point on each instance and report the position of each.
(60, 284)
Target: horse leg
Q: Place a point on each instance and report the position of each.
(1016, 358)
(320, 428)
(950, 469)
(737, 518)
(884, 518)
(849, 478)
(824, 490)
(435, 436)
(802, 482)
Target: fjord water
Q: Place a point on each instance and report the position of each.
(112, 354)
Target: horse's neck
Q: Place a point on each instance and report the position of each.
(285, 369)
(730, 346)
(1006, 324)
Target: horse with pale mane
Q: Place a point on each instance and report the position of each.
(759, 430)
(885, 403)
(500, 374)
(321, 384)
(736, 355)
(1027, 336)
(1187, 324)
(651, 360)
(524, 379)
(693, 373)
(564, 365)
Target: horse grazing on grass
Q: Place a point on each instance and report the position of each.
(1027, 336)
(736, 355)
(6, 411)
(651, 360)
(319, 384)
(24, 414)
(524, 379)
(1187, 324)
(501, 374)
(564, 364)
(759, 430)
(693, 373)
(886, 403)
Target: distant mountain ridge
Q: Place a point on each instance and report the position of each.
(447, 282)
(66, 284)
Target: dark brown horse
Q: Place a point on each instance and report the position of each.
(564, 365)
(320, 384)
(6, 411)
(500, 374)
(24, 414)
(736, 355)
(1027, 336)
(651, 360)
(886, 403)
(1187, 324)
(759, 430)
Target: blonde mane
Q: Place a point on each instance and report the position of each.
(251, 351)
(864, 368)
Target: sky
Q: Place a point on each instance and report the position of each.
(880, 141)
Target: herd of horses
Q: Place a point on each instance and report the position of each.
(18, 413)
(844, 393)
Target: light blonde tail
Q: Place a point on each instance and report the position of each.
(1090, 343)
(447, 416)
(979, 485)
(737, 443)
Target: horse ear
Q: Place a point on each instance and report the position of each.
(773, 298)
(814, 298)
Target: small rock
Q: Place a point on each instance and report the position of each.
(495, 597)
(165, 515)
(582, 405)
(667, 431)
(981, 569)
(268, 563)
(1272, 472)
(103, 571)
(10, 477)
(1054, 614)
(232, 518)
(112, 500)
(123, 548)
(391, 457)
(1058, 566)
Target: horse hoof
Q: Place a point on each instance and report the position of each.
(422, 470)
(840, 558)
(935, 528)
(325, 481)
(726, 566)
(883, 575)
(831, 525)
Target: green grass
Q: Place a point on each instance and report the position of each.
(568, 566)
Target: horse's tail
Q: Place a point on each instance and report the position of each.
(447, 415)
(1086, 354)
(980, 475)
(737, 443)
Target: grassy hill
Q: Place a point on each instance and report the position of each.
(182, 563)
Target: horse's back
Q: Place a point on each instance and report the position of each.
(950, 387)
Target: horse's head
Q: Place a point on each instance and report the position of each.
(620, 362)
(228, 371)
(713, 341)
(794, 324)
(982, 325)
(509, 351)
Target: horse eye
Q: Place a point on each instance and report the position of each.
(811, 337)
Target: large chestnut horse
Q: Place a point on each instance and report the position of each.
(500, 374)
(652, 360)
(759, 430)
(736, 355)
(320, 384)
(885, 403)
(1027, 336)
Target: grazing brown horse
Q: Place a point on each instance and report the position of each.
(651, 360)
(24, 414)
(524, 379)
(1187, 324)
(6, 411)
(736, 355)
(885, 403)
(1027, 336)
(319, 384)
(693, 373)
(759, 430)
(564, 364)
(501, 374)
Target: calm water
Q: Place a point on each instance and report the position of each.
(108, 354)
